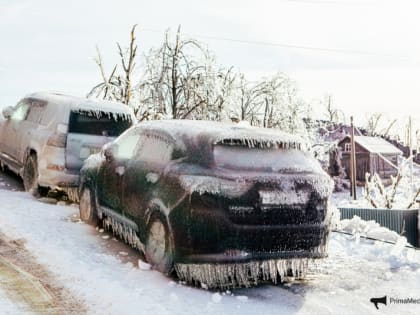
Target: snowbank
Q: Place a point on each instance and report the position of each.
(357, 226)
(397, 254)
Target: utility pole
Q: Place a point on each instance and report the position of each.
(410, 145)
(353, 170)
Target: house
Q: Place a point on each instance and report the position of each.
(373, 155)
(335, 132)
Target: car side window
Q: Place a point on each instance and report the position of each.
(35, 111)
(155, 149)
(21, 111)
(126, 144)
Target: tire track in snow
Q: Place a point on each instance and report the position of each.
(30, 284)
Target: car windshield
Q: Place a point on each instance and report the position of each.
(103, 125)
(269, 160)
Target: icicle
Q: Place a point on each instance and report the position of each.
(241, 274)
(72, 193)
(125, 232)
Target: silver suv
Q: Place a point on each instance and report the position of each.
(46, 137)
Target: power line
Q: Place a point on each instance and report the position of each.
(291, 46)
(332, 2)
(374, 239)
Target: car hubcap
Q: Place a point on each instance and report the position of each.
(156, 242)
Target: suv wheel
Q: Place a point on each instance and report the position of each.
(158, 247)
(30, 174)
(87, 207)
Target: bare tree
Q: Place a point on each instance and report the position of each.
(128, 64)
(217, 91)
(271, 102)
(180, 79)
(117, 86)
(373, 123)
(333, 114)
(272, 97)
(246, 102)
(288, 110)
(377, 124)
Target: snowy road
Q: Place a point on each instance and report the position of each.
(100, 275)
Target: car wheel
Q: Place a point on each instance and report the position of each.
(87, 207)
(158, 247)
(30, 175)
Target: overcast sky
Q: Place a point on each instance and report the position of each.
(371, 62)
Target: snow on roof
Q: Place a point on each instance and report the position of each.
(81, 103)
(377, 145)
(226, 133)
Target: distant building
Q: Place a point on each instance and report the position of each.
(373, 155)
(336, 132)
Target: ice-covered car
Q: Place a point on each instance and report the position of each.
(221, 204)
(46, 137)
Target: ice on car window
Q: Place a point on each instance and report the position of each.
(273, 160)
(103, 125)
(155, 149)
(126, 145)
(21, 111)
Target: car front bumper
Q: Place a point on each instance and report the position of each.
(238, 243)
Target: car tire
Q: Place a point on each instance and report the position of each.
(30, 175)
(159, 245)
(87, 206)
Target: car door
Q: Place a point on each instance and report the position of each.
(143, 175)
(12, 129)
(113, 169)
(29, 128)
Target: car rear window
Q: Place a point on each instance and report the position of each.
(102, 125)
(268, 160)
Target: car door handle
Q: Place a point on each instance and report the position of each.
(120, 170)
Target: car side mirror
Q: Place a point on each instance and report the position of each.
(109, 151)
(7, 112)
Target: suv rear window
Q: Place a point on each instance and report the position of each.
(269, 160)
(101, 125)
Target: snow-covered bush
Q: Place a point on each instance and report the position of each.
(401, 194)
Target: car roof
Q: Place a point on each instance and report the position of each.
(81, 103)
(193, 131)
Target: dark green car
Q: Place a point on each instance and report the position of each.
(221, 204)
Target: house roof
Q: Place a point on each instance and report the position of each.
(376, 145)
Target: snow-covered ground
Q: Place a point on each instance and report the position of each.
(104, 281)
(9, 306)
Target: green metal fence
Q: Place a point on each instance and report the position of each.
(404, 222)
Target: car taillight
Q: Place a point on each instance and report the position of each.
(56, 167)
(59, 139)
